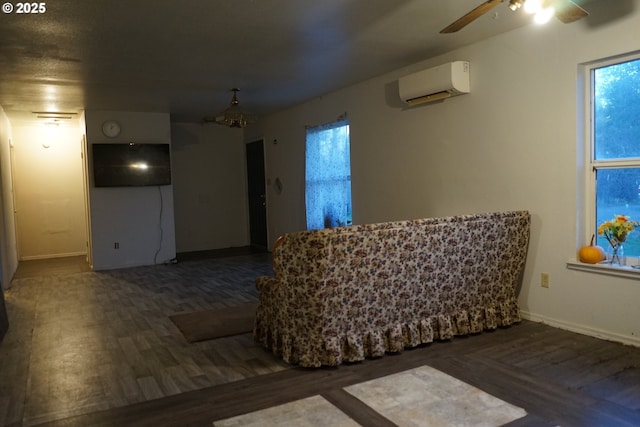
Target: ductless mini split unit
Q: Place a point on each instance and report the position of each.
(434, 84)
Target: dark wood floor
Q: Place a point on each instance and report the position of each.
(560, 378)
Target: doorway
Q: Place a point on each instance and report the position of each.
(257, 195)
(49, 193)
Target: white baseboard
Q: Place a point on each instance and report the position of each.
(581, 329)
(36, 257)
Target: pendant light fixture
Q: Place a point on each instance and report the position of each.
(234, 116)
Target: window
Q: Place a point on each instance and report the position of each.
(328, 176)
(615, 145)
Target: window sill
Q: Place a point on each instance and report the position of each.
(608, 269)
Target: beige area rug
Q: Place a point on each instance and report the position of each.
(216, 323)
(312, 411)
(434, 398)
(418, 397)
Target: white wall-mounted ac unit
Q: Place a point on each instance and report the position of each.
(435, 83)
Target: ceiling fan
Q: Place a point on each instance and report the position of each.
(234, 116)
(565, 10)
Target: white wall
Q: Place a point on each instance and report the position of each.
(512, 143)
(139, 219)
(49, 194)
(209, 170)
(8, 249)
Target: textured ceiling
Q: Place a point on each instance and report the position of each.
(183, 57)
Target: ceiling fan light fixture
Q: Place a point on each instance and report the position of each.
(515, 4)
(532, 6)
(544, 15)
(235, 116)
(567, 11)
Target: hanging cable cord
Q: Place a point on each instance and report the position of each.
(155, 256)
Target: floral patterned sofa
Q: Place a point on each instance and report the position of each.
(348, 293)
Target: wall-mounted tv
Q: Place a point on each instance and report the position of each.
(131, 165)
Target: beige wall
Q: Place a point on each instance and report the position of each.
(514, 142)
(209, 170)
(49, 194)
(139, 219)
(8, 249)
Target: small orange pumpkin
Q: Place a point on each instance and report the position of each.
(591, 254)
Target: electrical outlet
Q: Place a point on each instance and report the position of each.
(116, 245)
(544, 280)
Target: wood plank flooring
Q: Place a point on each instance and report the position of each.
(86, 341)
(98, 349)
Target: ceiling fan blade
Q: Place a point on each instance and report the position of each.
(471, 16)
(567, 11)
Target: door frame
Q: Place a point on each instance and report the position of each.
(265, 226)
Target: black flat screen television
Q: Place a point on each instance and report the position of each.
(131, 165)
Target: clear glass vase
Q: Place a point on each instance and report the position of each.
(617, 255)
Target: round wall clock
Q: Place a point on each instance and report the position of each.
(111, 128)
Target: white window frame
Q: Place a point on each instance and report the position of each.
(586, 168)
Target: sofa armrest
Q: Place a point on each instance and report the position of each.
(263, 283)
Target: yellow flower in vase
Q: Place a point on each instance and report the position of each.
(616, 232)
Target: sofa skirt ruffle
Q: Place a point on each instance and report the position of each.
(336, 348)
